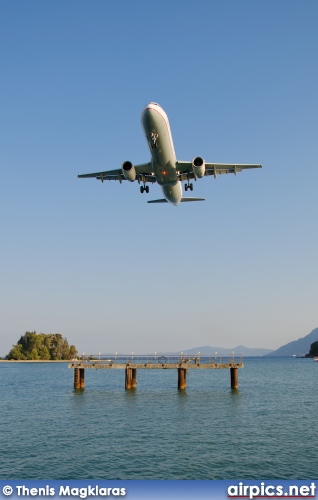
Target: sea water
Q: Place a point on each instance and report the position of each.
(264, 430)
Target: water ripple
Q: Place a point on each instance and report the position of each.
(264, 430)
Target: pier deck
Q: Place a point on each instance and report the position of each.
(133, 363)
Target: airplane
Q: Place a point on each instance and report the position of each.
(164, 168)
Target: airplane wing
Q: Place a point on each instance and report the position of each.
(186, 170)
(143, 171)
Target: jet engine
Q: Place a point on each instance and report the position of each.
(129, 171)
(198, 165)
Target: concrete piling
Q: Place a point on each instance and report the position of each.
(82, 378)
(182, 378)
(133, 378)
(234, 378)
(76, 378)
(79, 382)
(128, 377)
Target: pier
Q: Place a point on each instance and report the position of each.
(131, 363)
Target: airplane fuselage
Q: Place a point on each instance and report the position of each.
(158, 134)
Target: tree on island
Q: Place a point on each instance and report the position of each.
(45, 346)
(313, 350)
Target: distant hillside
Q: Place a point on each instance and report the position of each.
(298, 347)
(207, 350)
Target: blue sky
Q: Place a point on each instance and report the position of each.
(94, 261)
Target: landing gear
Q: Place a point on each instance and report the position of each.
(189, 186)
(144, 188)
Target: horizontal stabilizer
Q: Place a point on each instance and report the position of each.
(192, 199)
(163, 200)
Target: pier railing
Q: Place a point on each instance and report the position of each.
(159, 359)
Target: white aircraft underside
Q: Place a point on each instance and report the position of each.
(164, 168)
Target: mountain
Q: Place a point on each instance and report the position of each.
(207, 350)
(298, 347)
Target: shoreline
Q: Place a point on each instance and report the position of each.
(36, 360)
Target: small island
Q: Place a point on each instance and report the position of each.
(313, 352)
(42, 346)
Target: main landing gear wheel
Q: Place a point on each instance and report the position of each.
(188, 186)
(144, 188)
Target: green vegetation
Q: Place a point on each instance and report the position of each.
(46, 346)
(313, 350)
